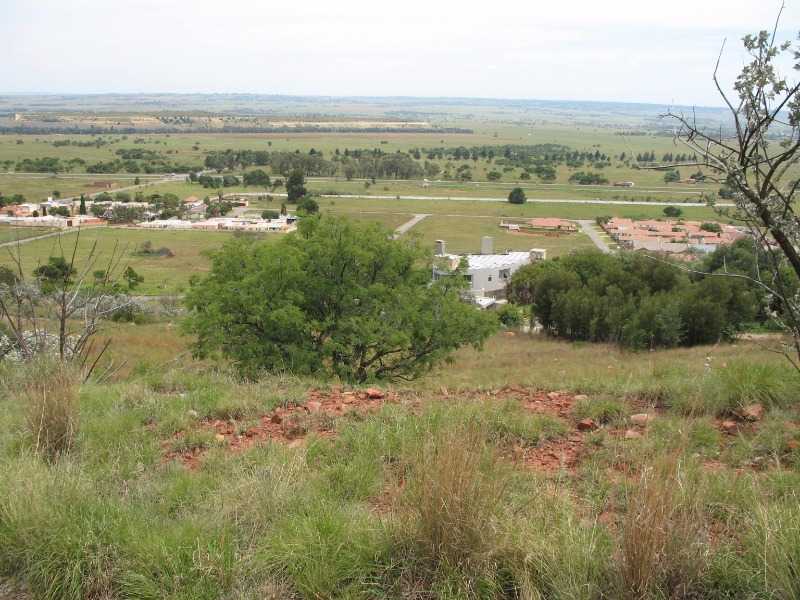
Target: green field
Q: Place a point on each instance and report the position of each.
(12, 234)
(503, 209)
(162, 275)
(38, 188)
(464, 234)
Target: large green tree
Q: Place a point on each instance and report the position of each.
(295, 186)
(338, 298)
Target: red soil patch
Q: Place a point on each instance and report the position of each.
(291, 425)
(286, 424)
(554, 455)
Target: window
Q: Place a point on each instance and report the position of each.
(505, 273)
(490, 278)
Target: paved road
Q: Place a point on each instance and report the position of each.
(409, 224)
(587, 227)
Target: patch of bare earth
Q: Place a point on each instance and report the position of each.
(288, 425)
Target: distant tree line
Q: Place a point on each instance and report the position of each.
(149, 162)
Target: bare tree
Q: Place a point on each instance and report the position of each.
(60, 309)
(756, 157)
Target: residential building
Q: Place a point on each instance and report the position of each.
(488, 273)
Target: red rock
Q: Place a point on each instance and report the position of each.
(374, 394)
(752, 412)
(587, 425)
(793, 444)
(632, 434)
(313, 405)
(728, 427)
(276, 418)
(641, 419)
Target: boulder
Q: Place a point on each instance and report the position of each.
(728, 427)
(374, 394)
(587, 425)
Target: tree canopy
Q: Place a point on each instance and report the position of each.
(517, 196)
(632, 300)
(337, 298)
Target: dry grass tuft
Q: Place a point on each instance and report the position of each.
(50, 394)
(454, 499)
(664, 547)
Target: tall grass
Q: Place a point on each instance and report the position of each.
(663, 546)
(50, 394)
(454, 498)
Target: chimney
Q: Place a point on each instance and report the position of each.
(487, 245)
(440, 248)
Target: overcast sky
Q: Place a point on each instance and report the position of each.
(625, 50)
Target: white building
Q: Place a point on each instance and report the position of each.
(488, 273)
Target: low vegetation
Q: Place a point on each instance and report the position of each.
(431, 492)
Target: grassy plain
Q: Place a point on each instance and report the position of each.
(12, 234)
(162, 274)
(37, 188)
(464, 235)
(471, 483)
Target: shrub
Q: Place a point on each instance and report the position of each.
(510, 316)
(50, 393)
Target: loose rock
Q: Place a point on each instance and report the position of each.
(728, 427)
(587, 425)
(632, 434)
(375, 394)
(752, 412)
(641, 419)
